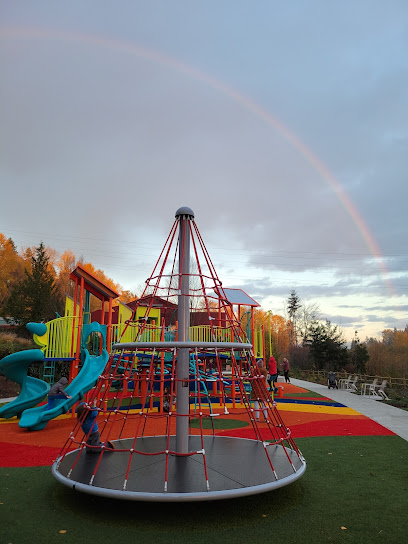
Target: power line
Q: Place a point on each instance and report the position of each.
(246, 251)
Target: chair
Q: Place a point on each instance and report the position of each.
(344, 382)
(380, 390)
(352, 385)
(367, 388)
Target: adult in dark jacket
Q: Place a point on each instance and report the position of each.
(57, 391)
(286, 367)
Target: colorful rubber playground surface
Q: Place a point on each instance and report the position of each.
(355, 488)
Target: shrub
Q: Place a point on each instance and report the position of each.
(10, 343)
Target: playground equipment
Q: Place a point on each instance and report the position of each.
(33, 390)
(15, 367)
(156, 456)
(61, 341)
(37, 418)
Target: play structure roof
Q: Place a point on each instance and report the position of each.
(238, 296)
(92, 284)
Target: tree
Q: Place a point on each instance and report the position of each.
(66, 264)
(308, 314)
(359, 355)
(35, 297)
(389, 356)
(293, 305)
(281, 332)
(11, 267)
(327, 347)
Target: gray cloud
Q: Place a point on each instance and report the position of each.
(102, 139)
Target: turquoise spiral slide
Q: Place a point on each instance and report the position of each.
(37, 418)
(33, 390)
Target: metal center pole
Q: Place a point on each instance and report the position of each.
(183, 366)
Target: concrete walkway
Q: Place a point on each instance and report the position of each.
(9, 399)
(394, 419)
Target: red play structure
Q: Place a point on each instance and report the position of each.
(163, 408)
(86, 283)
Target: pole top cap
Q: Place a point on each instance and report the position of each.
(185, 211)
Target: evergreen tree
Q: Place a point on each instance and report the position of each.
(35, 297)
(293, 305)
(327, 347)
(359, 355)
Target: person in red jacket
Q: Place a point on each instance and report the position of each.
(273, 372)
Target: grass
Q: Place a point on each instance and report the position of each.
(305, 395)
(358, 483)
(398, 398)
(218, 423)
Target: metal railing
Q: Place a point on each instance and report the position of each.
(60, 341)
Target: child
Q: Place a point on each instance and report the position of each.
(167, 405)
(273, 373)
(90, 428)
(166, 400)
(57, 391)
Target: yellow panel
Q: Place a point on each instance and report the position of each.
(125, 313)
(154, 314)
(69, 306)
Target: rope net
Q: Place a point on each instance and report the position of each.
(132, 445)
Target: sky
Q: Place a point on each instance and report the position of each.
(282, 125)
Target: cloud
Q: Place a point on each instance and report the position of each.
(102, 144)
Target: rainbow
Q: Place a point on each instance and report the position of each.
(244, 101)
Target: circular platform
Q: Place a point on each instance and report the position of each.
(236, 467)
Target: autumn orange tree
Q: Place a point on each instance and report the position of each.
(389, 356)
(277, 331)
(15, 265)
(65, 264)
(12, 266)
(281, 332)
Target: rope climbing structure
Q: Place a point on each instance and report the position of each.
(163, 401)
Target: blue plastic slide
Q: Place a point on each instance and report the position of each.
(37, 418)
(33, 390)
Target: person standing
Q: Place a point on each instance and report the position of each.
(272, 372)
(286, 367)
